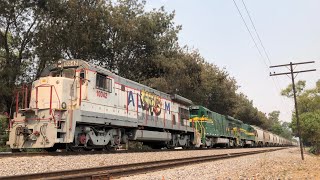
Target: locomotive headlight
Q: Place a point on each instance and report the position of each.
(63, 105)
(57, 82)
(59, 63)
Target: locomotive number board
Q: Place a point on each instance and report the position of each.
(70, 63)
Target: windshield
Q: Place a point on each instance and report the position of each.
(194, 111)
(68, 73)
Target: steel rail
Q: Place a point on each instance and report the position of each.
(106, 172)
(72, 153)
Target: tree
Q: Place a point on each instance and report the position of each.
(222, 96)
(289, 91)
(310, 125)
(245, 111)
(309, 115)
(3, 133)
(120, 36)
(186, 73)
(286, 130)
(274, 116)
(18, 24)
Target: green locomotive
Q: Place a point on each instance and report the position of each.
(213, 129)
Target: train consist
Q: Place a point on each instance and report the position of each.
(213, 129)
(79, 106)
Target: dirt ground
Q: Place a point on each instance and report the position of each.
(283, 164)
(307, 169)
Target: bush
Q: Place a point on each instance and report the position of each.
(4, 136)
(315, 149)
(135, 145)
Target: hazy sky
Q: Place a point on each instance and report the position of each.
(289, 30)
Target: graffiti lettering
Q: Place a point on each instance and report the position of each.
(130, 98)
(151, 102)
(167, 107)
(148, 101)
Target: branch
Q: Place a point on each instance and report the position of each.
(6, 46)
(26, 38)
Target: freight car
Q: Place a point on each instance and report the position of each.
(76, 105)
(80, 106)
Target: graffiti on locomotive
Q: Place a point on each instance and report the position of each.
(151, 102)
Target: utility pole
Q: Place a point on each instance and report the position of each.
(294, 92)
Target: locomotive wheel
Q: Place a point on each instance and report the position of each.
(51, 149)
(73, 148)
(78, 149)
(88, 148)
(15, 150)
(108, 148)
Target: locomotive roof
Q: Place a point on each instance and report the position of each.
(233, 119)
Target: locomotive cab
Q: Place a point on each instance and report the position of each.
(46, 121)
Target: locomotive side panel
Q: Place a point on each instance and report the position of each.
(128, 104)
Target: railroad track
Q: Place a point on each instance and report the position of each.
(31, 154)
(73, 153)
(106, 172)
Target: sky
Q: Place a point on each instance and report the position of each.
(289, 30)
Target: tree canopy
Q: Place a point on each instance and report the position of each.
(121, 36)
(309, 113)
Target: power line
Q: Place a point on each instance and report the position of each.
(254, 27)
(255, 43)
(276, 83)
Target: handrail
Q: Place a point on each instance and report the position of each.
(24, 91)
(48, 85)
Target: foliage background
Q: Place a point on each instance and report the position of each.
(309, 114)
(124, 38)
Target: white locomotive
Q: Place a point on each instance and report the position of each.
(77, 105)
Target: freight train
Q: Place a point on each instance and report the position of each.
(76, 105)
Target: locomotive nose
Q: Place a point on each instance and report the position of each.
(24, 131)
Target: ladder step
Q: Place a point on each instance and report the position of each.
(59, 140)
(61, 131)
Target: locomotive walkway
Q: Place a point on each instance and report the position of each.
(107, 172)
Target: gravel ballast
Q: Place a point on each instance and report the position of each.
(37, 164)
(283, 164)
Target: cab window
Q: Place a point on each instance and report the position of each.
(184, 115)
(194, 111)
(103, 83)
(68, 73)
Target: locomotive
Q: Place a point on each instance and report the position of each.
(76, 105)
(214, 129)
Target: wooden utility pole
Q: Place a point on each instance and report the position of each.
(294, 92)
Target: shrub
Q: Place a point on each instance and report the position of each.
(4, 136)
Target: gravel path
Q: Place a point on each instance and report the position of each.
(37, 164)
(283, 164)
